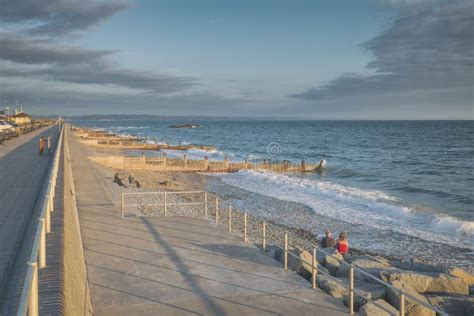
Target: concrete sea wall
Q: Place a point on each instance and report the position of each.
(77, 298)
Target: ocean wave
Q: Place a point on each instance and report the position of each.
(196, 154)
(370, 208)
(453, 225)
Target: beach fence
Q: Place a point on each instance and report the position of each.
(183, 203)
(268, 237)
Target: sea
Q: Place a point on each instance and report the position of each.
(398, 188)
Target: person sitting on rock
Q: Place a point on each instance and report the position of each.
(342, 246)
(328, 241)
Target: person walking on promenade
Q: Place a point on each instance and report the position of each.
(49, 144)
(328, 241)
(41, 145)
(342, 245)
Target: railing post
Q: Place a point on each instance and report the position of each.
(33, 297)
(205, 204)
(217, 210)
(401, 309)
(122, 206)
(42, 245)
(166, 204)
(245, 227)
(351, 289)
(47, 220)
(52, 184)
(286, 251)
(264, 236)
(47, 216)
(229, 218)
(313, 267)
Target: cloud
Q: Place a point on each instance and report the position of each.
(105, 74)
(20, 49)
(70, 100)
(29, 56)
(59, 17)
(428, 50)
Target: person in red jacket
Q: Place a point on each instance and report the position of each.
(342, 244)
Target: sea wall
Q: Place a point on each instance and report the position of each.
(77, 298)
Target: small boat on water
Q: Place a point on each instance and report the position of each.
(185, 126)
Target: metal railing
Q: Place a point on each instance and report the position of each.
(257, 230)
(160, 203)
(29, 300)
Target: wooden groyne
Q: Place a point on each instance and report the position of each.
(163, 163)
(102, 139)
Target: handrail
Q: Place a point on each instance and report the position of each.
(29, 302)
(403, 295)
(162, 192)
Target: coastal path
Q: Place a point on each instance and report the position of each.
(22, 175)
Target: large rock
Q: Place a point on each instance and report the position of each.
(332, 262)
(306, 270)
(446, 284)
(371, 309)
(294, 263)
(365, 292)
(411, 308)
(462, 274)
(415, 265)
(369, 264)
(321, 254)
(428, 283)
(330, 286)
(453, 305)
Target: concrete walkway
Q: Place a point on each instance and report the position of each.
(22, 173)
(177, 265)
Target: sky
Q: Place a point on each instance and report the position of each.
(366, 59)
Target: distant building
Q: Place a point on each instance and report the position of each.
(22, 118)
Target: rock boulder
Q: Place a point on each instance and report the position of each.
(331, 286)
(332, 262)
(453, 305)
(462, 274)
(371, 309)
(371, 265)
(411, 307)
(428, 283)
(306, 270)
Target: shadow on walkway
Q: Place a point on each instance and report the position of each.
(184, 270)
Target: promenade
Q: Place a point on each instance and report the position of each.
(177, 265)
(22, 173)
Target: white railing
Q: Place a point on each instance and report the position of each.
(229, 216)
(162, 202)
(29, 300)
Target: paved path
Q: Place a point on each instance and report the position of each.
(22, 172)
(177, 265)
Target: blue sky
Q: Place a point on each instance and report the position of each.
(311, 59)
(239, 47)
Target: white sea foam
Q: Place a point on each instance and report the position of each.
(370, 208)
(196, 154)
(450, 224)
